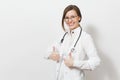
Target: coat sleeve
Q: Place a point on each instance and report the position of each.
(93, 59)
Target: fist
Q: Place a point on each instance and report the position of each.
(69, 61)
(54, 55)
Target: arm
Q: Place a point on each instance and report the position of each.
(90, 50)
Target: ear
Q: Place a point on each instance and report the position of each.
(79, 19)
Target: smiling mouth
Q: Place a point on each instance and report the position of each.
(71, 24)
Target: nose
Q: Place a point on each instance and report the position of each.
(70, 20)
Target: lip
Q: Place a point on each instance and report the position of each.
(71, 24)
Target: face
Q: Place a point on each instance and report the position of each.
(72, 19)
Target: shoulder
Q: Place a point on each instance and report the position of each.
(87, 40)
(85, 35)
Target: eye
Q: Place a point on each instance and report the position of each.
(73, 16)
(66, 17)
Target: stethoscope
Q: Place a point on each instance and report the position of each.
(72, 49)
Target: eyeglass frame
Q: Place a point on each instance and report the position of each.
(72, 18)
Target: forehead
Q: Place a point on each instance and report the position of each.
(71, 12)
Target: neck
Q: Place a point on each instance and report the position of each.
(75, 27)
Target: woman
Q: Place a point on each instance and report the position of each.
(76, 51)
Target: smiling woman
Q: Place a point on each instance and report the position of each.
(70, 52)
(72, 16)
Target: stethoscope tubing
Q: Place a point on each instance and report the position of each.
(76, 40)
(70, 52)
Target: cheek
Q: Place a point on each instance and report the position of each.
(66, 22)
(77, 21)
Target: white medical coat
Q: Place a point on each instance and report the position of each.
(85, 55)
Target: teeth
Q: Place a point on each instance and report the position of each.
(71, 24)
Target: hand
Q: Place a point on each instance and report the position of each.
(69, 61)
(54, 55)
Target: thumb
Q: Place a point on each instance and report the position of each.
(64, 59)
(70, 54)
(53, 48)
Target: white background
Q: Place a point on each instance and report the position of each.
(28, 27)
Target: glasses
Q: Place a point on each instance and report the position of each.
(70, 18)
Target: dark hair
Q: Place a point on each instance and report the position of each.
(68, 8)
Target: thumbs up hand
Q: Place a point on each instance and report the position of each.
(69, 61)
(54, 55)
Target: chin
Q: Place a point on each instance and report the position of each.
(71, 27)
